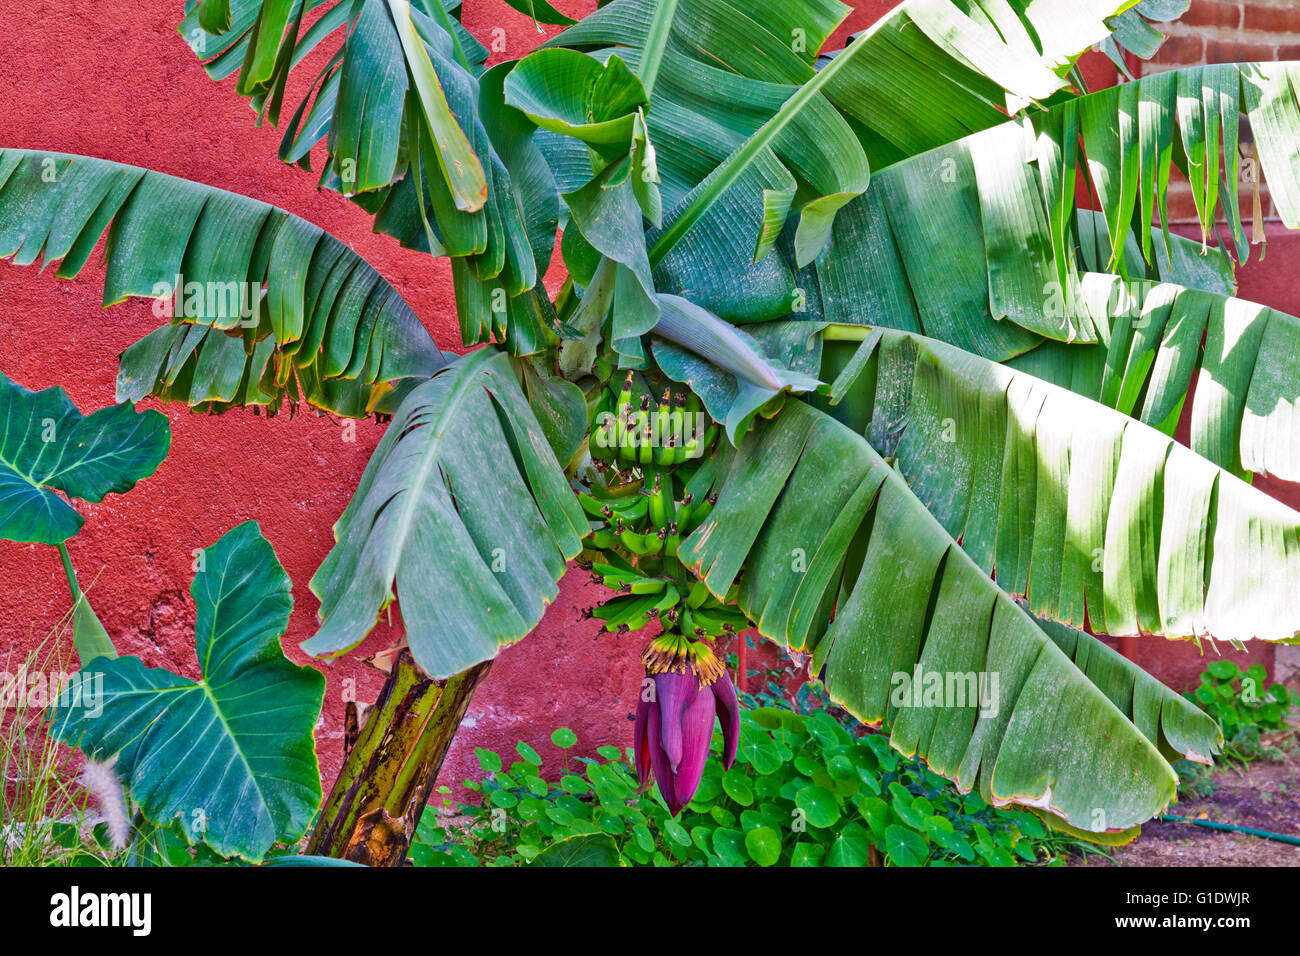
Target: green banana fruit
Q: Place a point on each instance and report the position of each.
(654, 543)
(656, 510)
(702, 512)
(673, 541)
(663, 450)
(622, 612)
(622, 410)
(685, 510)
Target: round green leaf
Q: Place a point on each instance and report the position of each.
(851, 847)
(808, 854)
(758, 750)
(763, 845)
(940, 831)
(737, 786)
(573, 783)
(1223, 670)
(876, 812)
(905, 847)
(819, 806)
(584, 850)
(644, 839)
(730, 846)
(677, 833)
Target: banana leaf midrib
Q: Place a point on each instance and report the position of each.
(433, 448)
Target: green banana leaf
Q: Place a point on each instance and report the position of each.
(1169, 720)
(1093, 517)
(984, 228)
(746, 129)
(47, 447)
(273, 308)
(736, 373)
(817, 518)
(954, 257)
(229, 757)
(463, 513)
(416, 133)
(1158, 339)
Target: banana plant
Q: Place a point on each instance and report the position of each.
(840, 355)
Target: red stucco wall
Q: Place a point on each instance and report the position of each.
(123, 86)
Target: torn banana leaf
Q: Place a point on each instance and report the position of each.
(1094, 518)
(1133, 135)
(463, 514)
(1177, 727)
(415, 133)
(818, 520)
(264, 306)
(1158, 339)
(749, 133)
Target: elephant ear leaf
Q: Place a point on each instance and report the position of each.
(240, 736)
(47, 446)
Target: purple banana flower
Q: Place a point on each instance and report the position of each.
(674, 728)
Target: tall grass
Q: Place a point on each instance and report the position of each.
(45, 816)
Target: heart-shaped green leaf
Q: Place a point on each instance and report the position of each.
(230, 757)
(587, 849)
(47, 446)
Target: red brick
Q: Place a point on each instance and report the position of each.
(1232, 51)
(1207, 13)
(1271, 19)
(1289, 51)
(1182, 49)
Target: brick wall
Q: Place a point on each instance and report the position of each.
(1216, 31)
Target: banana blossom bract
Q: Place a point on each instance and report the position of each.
(674, 726)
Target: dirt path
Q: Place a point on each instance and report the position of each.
(1266, 797)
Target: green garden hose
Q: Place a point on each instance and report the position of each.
(1251, 831)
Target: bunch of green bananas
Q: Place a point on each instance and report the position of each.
(647, 522)
(651, 484)
(629, 427)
